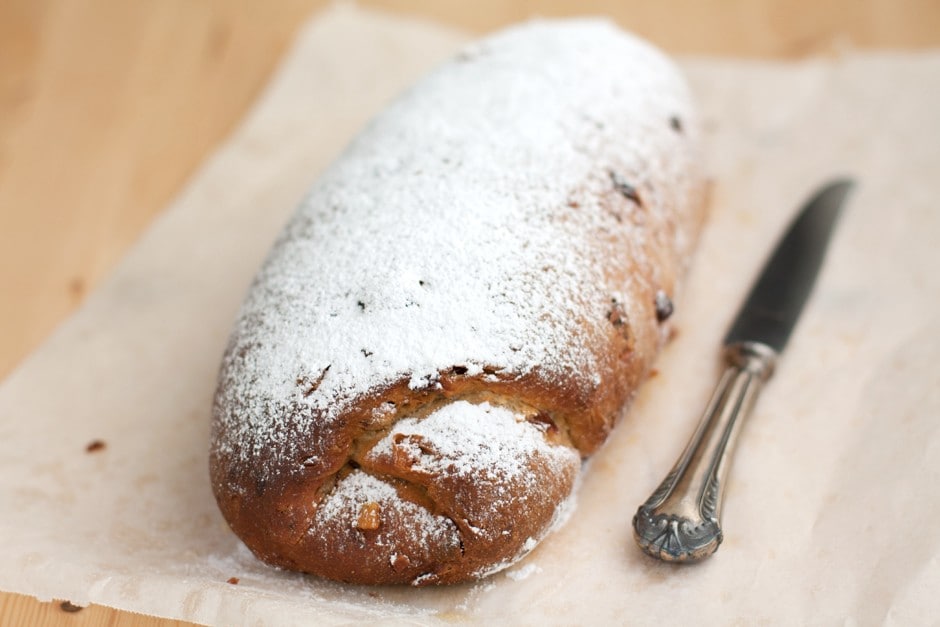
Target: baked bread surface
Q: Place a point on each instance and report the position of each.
(460, 310)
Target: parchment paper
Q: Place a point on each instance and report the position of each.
(832, 510)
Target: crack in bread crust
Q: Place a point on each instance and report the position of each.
(478, 531)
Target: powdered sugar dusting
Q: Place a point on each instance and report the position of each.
(482, 441)
(463, 226)
(560, 517)
(524, 572)
(358, 489)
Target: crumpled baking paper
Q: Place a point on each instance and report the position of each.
(832, 508)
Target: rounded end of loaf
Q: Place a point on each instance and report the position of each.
(453, 495)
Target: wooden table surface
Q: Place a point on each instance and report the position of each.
(107, 107)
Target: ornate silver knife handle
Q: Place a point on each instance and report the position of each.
(681, 520)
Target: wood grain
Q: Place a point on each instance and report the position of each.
(108, 106)
(17, 610)
(105, 109)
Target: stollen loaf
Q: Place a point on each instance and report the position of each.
(460, 311)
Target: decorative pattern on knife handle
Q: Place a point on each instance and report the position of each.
(680, 521)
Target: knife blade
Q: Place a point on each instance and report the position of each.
(681, 520)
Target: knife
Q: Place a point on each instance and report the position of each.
(681, 520)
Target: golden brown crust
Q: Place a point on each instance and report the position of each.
(331, 457)
(577, 417)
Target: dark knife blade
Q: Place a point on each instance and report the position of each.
(681, 520)
(777, 298)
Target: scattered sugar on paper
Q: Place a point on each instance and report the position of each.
(523, 572)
